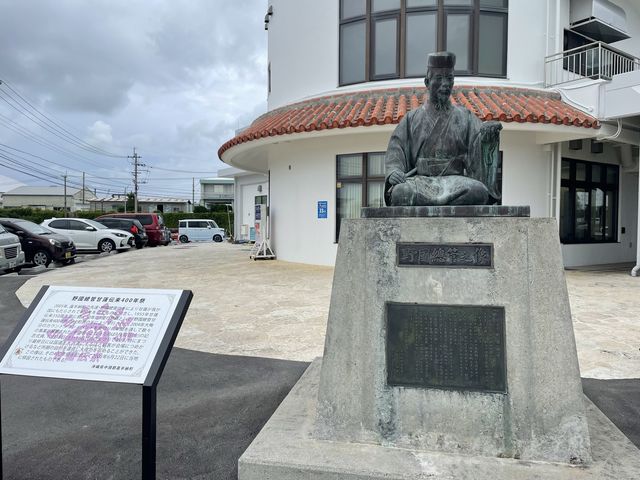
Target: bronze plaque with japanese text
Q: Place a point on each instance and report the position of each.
(469, 255)
(446, 346)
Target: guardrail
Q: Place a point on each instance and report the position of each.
(594, 61)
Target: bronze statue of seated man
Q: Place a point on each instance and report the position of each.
(442, 154)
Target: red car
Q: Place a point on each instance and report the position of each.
(153, 224)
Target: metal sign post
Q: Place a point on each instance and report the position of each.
(88, 342)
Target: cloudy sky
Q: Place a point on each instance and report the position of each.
(86, 81)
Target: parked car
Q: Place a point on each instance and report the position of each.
(11, 254)
(90, 235)
(199, 230)
(131, 225)
(153, 224)
(41, 245)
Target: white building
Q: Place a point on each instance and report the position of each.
(117, 203)
(216, 191)
(48, 198)
(250, 189)
(561, 75)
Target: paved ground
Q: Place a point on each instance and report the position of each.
(212, 404)
(240, 307)
(279, 310)
(210, 407)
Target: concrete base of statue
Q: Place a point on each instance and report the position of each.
(449, 355)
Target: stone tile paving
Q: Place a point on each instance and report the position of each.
(279, 310)
(605, 306)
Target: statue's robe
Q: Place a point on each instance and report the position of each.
(430, 143)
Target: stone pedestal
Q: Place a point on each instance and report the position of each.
(449, 354)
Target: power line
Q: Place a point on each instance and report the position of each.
(30, 170)
(35, 156)
(40, 140)
(59, 127)
(29, 174)
(32, 113)
(64, 167)
(179, 171)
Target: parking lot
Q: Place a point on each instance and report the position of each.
(279, 310)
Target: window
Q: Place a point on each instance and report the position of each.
(384, 39)
(198, 224)
(61, 224)
(77, 225)
(588, 202)
(359, 182)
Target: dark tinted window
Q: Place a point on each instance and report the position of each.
(383, 39)
(63, 224)
(353, 8)
(76, 225)
(201, 224)
(145, 219)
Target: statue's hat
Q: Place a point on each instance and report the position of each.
(441, 60)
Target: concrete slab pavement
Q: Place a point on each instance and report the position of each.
(240, 307)
(279, 310)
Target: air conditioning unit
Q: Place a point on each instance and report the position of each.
(600, 20)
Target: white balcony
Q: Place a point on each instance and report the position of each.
(599, 79)
(596, 61)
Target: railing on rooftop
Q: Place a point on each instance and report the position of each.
(594, 61)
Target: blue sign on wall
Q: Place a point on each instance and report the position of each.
(322, 208)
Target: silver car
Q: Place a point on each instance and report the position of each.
(11, 254)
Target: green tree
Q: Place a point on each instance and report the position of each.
(130, 202)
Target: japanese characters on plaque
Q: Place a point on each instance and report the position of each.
(470, 255)
(446, 346)
(99, 334)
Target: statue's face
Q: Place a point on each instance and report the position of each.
(440, 85)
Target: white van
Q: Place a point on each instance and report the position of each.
(199, 230)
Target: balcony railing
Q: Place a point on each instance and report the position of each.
(594, 61)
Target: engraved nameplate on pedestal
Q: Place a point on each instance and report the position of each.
(446, 346)
(468, 255)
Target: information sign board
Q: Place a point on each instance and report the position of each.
(322, 208)
(100, 334)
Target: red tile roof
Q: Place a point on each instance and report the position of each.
(388, 106)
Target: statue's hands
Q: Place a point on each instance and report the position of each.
(396, 177)
(490, 131)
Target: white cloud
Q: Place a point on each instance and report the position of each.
(172, 78)
(7, 183)
(100, 134)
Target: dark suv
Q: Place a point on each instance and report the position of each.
(41, 246)
(131, 225)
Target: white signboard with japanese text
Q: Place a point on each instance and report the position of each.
(100, 334)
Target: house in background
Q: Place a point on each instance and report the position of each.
(216, 191)
(49, 198)
(116, 203)
(250, 189)
(563, 77)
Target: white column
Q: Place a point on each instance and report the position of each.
(636, 269)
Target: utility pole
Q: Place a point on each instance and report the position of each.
(136, 164)
(65, 194)
(82, 189)
(193, 194)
